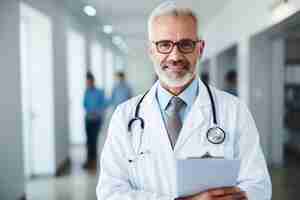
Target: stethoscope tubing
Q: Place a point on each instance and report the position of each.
(137, 110)
(136, 115)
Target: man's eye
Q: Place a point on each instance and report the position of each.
(164, 45)
(186, 44)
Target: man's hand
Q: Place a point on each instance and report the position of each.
(229, 193)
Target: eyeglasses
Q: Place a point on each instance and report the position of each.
(184, 46)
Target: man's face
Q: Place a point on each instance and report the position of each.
(89, 83)
(175, 69)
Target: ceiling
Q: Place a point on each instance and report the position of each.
(129, 18)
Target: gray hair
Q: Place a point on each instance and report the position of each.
(169, 8)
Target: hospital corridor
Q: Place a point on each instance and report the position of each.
(77, 120)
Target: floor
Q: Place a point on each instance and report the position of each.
(285, 180)
(78, 185)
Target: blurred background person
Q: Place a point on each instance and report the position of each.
(121, 91)
(94, 105)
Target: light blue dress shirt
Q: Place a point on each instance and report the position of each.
(189, 96)
(121, 92)
(94, 102)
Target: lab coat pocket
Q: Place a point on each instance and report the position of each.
(220, 151)
(142, 171)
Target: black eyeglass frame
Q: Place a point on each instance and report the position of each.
(176, 44)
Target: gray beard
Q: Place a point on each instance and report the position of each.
(171, 82)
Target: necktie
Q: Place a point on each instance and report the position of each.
(173, 121)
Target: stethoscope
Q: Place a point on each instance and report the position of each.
(215, 135)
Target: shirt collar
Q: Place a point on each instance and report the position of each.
(188, 95)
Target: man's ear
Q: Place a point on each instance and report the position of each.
(201, 47)
(150, 50)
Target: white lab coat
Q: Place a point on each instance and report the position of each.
(152, 175)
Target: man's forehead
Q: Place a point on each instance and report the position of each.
(174, 27)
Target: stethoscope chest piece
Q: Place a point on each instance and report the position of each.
(216, 135)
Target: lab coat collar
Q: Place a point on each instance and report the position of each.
(203, 96)
(201, 100)
(192, 125)
(188, 95)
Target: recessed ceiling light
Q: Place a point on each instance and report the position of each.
(117, 40)
(120, 43)
(108, 29)
(89, 10)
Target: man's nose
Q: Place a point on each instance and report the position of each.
(175, 54)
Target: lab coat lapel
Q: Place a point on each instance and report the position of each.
(197, 119)
(159, 144)
(154, 124)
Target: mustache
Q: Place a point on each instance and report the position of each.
(183, 62)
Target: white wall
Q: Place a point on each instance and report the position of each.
(109, 70)
(76, 81)
(140, 73)
(11, 147)
(243, 68)
(60, 85)
(97, 56)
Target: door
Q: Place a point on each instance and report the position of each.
(37, 94)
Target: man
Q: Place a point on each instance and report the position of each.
(121, 91)
(94, 104)
(148, 134)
